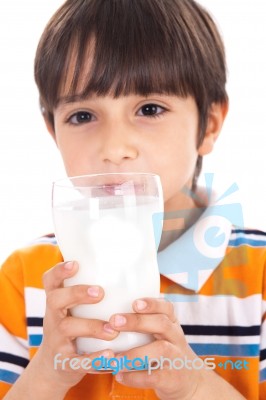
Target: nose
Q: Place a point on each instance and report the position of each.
(118, 145)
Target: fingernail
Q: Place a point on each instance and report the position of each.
(108, 328)
(69, 265)
(93, 291)
(141, 304)
(120, 320)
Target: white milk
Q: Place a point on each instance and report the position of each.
(115, 248)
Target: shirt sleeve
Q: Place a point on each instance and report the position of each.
(263, 342)
(14, 349)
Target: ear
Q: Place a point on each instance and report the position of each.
(216, 117)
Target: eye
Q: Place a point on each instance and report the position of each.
(80, 117)
(151, 110)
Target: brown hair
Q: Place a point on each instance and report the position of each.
(133, 46)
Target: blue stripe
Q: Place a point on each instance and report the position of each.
(263, 375)
(8, 376)
(239, 241)
(242, 350)
(35, 340)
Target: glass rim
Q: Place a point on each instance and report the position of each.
(62, 182)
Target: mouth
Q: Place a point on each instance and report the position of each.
(115, 184)
(113, 188)
(120, 188)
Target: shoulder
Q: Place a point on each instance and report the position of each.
(30, 262)
(251, 244)
(245, 260)
(250, 247)
(249, 237)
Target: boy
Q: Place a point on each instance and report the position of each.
(137, 86)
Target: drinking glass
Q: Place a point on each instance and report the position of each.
(105, 223)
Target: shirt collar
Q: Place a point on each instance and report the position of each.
(191, 259)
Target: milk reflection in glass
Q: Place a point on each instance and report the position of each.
(109, 232)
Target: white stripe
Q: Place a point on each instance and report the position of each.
(35, 302)
(44, 240)
(23, 342)
(223, 339)
(262, 365)
(11, 367)
(35, 330)
(247, 236)
(263, 335)
(12, 344)
(263, 306)
(219, 310)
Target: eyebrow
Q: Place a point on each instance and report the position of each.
(74, 98)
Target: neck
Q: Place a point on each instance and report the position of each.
(180, 214)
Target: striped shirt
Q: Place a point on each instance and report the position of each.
(221, 307)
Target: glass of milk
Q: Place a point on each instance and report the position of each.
(105, 223)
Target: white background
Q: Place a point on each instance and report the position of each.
(29, 160)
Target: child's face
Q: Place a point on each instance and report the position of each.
(132, 133)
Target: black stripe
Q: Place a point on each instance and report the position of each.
(34, 321)
(249, 232)
(10, 358)
(211, 330)
(263, 355)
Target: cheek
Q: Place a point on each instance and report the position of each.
(73, 152)
(73, 158)
(176, 164)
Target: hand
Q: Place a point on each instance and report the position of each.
(60, 328)
(156, 316)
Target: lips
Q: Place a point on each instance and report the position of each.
(113, 189)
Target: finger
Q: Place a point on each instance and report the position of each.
(54, 277)
(65, 298)
(72, 327)
(157, 324)
(164, 381)
(157, 350)
(137, 379)
(89, 363)
(155, 306)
